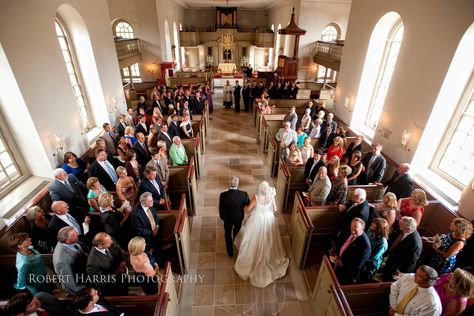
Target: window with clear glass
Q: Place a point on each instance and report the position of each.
(392, 47)
(330, 33)
(322, 75)
(456, 159)
(124, 30)
(136, 77)
(9, 169)
(74, 76)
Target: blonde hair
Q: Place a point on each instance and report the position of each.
(463, 228)
(91, 181)
(120, 169)
(31, 212)
(390, 199)
(135, 246)
(420, 197)
(105, 199)
(462, 282)
(338, 141)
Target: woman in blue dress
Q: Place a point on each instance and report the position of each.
(29, 264)
(76, 166)
(378, 235)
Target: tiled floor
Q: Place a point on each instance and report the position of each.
(232, 150)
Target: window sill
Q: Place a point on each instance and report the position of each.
(93, 134)
(19, 197)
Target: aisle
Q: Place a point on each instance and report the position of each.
(232, 150)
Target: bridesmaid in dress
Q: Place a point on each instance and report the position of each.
(126, 187)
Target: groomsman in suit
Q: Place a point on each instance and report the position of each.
(110, 139)
(106, 263)
(141, 149)
(356, 207)
(141, 126)
(102, 169)
(165, 136)
(352, 252)
(145, 221)
(246, 95)
(152, 183)
(374, 166)
(404, 251)
(401, 183)
(67, 188)
(237, 91)
(69, 259)
(231, 211)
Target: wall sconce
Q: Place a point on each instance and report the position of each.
(112, 105)
(150, 68)
(57, 142)
(348, 103)
(331, 93)
(404, 139)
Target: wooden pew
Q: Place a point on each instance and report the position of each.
(289, 180)
(284, 104)
(267, 123)
(182, 232)
(183, 179)
(168, 296)
(193, 149)
(273, 156)
(321, 296)
(374, 193)
(366, 299)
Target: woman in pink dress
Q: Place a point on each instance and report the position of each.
(126, 187)
(453, 290)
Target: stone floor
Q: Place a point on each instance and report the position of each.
(232, 150)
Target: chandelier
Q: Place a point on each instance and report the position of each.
(227, 41)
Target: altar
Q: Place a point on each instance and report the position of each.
(227, 68)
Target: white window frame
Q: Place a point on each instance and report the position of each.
(328, 34)
(129, 33)
(136, 76)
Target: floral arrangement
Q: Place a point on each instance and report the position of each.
(244, 61)
(209, 60)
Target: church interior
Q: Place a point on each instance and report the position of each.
(399, 73)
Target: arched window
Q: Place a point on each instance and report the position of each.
(123, 29)
(379, 65)
(74, 76)
(330, 33)
(176, 49)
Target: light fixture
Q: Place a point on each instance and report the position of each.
(151, 68)
(57, 142)
(112, 104)
(404, 139)
(348, 103)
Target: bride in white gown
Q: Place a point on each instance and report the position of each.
(261, 254)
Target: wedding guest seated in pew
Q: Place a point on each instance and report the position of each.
(120, 126)
(165, 136)
(357, 144)
(293, 155)
(152, 183)
(142, 126)
(173, 128)
(454, 289)
(333, 167)
(336, 149)
(74, 165)
(130, 118)
(132, 166)
(39, 229)
(186, 129)
(130, 136)
(319, 190)
(413, 206)
(142, 152)
(387, 208)
(127, 190)
(121, 158)
(95, 189)
(285, 136)
(307, 150)
(67, 188)
(374, 166)
(356, 207)
(62, 218)
(87, 301)
(106, 266)
(414, 294)
(326, 137)
(291, 117)
(116, 223)
(316, 128)
(69, 259)
(312, 166)
(306, 120)
(300, 137)
(404, 252)
(23, 304)
(356, 166)
(103, 169)
(329, 122)
(145, 220)
(152, 137)
(401, 182)
(110, 139)
(338, 193)
(352, 252)
(378, 238)
(178, 154)
(144, 265)
(466, 257)
(446, 247)
(160, 162)
(29, 264)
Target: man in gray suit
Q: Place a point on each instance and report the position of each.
(110, 139)
(69, 259)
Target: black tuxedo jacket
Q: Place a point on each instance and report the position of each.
(147, 186)
(173, 130)
(361, 211)
(324, 125)
(119, 129)
(404, 256)
(231, 205)
(198, 106)
(140, 129)
(375, 172)
(76, 198)
(354, 257)
(246, 92)
(237, 92)
(351, 148)
(55, 224)
(141, 224)
(143, 155)
(310, 174)
(401, 187)
(168, 140)
(96, 170)
(326, 140)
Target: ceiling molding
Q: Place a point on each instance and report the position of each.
(181, 3)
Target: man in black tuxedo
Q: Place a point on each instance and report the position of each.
(88, 301)
(237, 90)
(165, 136)
(404, 251)
(102, 169)
(141, 149)
(231, 211)
(312, 167)
(374, 166)
(246, 96)
(272, 90)
(352, 252)
(401, 183)
(67, 188)
(356, 207)
(198, 105)
(106, 266)
(141, 126)
(145, 221)
(152, 183)
(173, 128)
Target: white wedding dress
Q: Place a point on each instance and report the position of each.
(261, 254)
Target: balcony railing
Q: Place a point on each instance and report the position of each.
(329, 54)
(127, 48)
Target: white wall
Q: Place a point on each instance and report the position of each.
(170, 11)
(32, 50)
